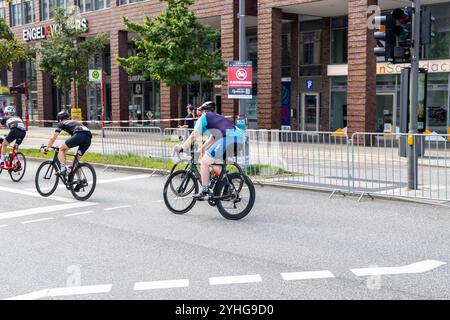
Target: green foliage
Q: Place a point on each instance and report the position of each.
(11, 50)
(174, 47)
(64, 56)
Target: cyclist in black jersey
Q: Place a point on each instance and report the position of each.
(81, 137)
(17, 131)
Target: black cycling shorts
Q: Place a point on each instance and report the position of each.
(80, 140)
(16, 135)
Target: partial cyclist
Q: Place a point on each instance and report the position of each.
(81, 137)
(222, 135)
(17, 131)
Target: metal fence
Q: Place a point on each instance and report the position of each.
(366, 163)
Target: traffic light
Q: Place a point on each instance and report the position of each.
(427, 27)
(403, 35)
(385, 37)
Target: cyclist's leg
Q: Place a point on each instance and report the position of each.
(10, 138)
(83, 147)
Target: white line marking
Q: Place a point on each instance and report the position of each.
(60, 207)
(290, 276)
(3, 226)
(234, 279)
(136, 177)
(35, 194)
(116, 208)
(37, 220)
(419, 267)
(78, 214)
(152, 285)
(58, 292)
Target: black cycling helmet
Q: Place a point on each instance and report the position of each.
(208, 106)
(63, 115)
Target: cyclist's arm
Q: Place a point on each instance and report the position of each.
(187, 144)
(52, 140)
(206, 144)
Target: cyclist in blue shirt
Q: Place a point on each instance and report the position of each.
(222, 135)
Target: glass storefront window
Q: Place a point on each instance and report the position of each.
(437, 102)
(339, 40)
(2, 9)
(338, 103)
(440, 45)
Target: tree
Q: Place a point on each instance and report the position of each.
(65, 56)
(10, 48)
(173, 47)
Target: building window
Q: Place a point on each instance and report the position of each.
(122, 2)
(338, 108)
(22, 12)
(339, 40)
(438, 103)
(310, 48)
(440, 45)
(93, 5)
(48, 6)
(2, 9)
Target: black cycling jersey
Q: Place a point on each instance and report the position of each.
(13, 122)
(72, 127)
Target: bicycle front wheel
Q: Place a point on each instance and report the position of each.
(235, 196)
(82, 181)
(178, 191)
(46, 180)
(19, 164)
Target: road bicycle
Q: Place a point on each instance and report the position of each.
(81, 178)
(232, 192)
(15, 164)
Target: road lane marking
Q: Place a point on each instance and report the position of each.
(35, 194)
(116, 208)
(34, 211)
(135, 177)
(37, 220)
(291, 276)
(234, 279)
(418, 267)
(78, 214)
(166, 284)
(59, 292)
(3, 226)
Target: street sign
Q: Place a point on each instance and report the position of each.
(95, 75)
(16, 90)
(309, 84)
(240, 80)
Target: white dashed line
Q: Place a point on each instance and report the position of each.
(59, 292)
(291, 276)
(132, 178)
(78, 214)
(419, 267)
(116, 208)
(37, 220)
(234, 279)
(3, 226)
(167, 284)
(60, 207)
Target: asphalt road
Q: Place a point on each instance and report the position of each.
(124, 244)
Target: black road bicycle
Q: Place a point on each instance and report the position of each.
(232, 192)
(81, 178)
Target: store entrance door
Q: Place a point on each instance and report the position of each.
(386, 112)
(310, 113)
(136, 109)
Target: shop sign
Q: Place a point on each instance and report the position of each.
(240, 80)
(137, 88)
(46, 31)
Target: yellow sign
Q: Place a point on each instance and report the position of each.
(339, 133)
(76, 114)
(448, 131)
(410, 140)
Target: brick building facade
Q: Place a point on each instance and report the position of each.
(321, 48)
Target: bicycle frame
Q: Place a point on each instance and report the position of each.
(58, 164)
(8, 165)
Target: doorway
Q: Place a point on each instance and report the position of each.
(136, 109)
(310, 112)
(386, 112)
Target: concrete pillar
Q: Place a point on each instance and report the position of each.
(119, 78)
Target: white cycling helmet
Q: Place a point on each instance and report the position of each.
(10, 111)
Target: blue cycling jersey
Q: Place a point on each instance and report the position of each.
(214, 124)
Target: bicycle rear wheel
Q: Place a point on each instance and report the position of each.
(20, 165)
(238, 196)
(46, 180)
(82, 181)
(178, 191)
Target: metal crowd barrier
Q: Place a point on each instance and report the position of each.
(380, 165)
(365, 164)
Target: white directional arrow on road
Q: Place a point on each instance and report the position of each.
(419, 267)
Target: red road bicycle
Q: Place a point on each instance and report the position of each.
(15, 164)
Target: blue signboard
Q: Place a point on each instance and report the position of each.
(309, 84)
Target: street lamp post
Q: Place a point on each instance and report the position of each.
(242, 42)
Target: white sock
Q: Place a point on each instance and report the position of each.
(63, 167)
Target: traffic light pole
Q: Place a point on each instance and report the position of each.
(414, 99)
